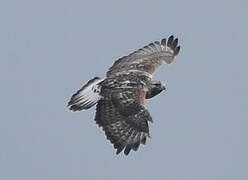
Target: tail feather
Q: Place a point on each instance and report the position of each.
(87, 96)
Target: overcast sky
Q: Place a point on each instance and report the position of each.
(50, 48)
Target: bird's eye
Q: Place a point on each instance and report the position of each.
(157, 84)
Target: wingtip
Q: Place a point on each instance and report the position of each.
(127, 149)
(177, 50)
(170, 41)
(174, 43)
(163, 41)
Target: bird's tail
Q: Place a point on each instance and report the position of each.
(87, 96)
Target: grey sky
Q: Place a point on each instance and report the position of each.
(50, 48)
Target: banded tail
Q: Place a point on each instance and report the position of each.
(87, 96)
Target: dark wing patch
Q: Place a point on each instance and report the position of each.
(147, 58)
(124, 120)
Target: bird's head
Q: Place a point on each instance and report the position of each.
(156, 87)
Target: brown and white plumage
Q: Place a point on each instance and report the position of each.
(120, 97)
(148, 58)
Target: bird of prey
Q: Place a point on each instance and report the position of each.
(121, 95)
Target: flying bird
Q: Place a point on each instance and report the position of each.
(121, 95)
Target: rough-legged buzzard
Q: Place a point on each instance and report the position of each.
(121, 95)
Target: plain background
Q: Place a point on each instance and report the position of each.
(50, 48)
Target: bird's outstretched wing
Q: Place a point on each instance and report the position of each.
(148, 58)
(124, 119)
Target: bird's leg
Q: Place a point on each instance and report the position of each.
(154, 89)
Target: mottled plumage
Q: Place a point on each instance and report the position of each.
(120, 96)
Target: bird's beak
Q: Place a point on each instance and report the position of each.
(163, 87)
